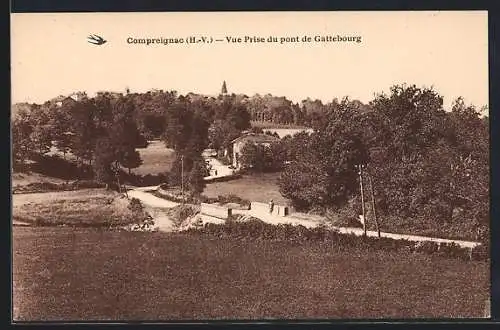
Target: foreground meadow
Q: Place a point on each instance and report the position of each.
(85, 207)
(93, 274)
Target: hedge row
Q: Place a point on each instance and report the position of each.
(36, 187)
(256, 229)
(224, 178)
(143, 180)
(174, 196)
(225, 199)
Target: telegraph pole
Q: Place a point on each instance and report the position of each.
(182, 178)
(373, 203)
(116, 169)
(360, 172)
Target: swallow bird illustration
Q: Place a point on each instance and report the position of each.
(96, 40)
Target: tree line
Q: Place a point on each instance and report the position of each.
(427, 163)
(103, 132)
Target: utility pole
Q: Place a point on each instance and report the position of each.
(182, 178)
(117, 174)
(373, 203)
(360, 172)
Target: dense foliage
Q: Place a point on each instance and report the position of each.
(427, 165)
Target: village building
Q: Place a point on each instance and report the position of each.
(74, 97)
(238, 143)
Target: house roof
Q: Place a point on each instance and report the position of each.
(256, 138)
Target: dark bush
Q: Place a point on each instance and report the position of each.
(143, 180)
(135, 205)
(208, 200)
(87, 184)
(38, 187)
(225, 178)
(175, 196)
(58, 167)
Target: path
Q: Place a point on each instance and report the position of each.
(155, 207)
(222, 170)
(414, 238)
(276, 220)
(316, 221)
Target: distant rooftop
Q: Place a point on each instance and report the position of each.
(256, 138)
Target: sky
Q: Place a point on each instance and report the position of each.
(446, 50)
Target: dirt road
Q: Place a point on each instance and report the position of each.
(314, 222)
(222, 170)
(155, 207)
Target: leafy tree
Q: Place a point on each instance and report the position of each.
(21, 132)
(41, 139)
(153, 125)
(275, 156)
(177, 129)
(216, 134)
(41, 133)
(427, 162)
(195, 180)
(84, 129)
(61, 127)
(251, 156)
(104, 158)
(131, 159)
(304, 183)
(323, 172)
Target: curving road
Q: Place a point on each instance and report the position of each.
(155, 207)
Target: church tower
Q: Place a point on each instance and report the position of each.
(224, 88)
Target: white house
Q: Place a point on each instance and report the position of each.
(75, 97)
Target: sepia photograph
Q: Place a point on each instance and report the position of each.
(249, 166)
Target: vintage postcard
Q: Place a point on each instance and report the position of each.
(250, 166)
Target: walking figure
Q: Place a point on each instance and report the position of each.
(271, 206)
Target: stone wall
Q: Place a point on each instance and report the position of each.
(217, 211)
(261, 208)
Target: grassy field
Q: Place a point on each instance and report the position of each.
(23, 179)
(156, 159)
(80, 207)
(254, 187)
(90, 274)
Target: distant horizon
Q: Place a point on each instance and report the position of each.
(446, 50)
(215, 95)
